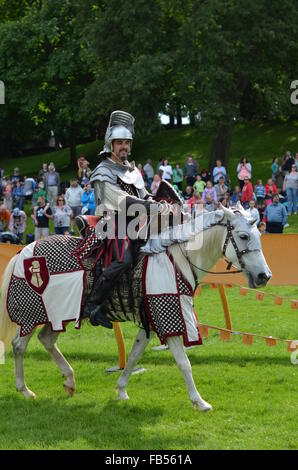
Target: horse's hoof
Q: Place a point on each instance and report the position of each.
(28, 394)
(122, 394)
(70, 391)
(202, 406)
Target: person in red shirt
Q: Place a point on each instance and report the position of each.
(247, 193)
(270, 189)
(4, 218)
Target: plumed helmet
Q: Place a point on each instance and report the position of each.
(121, 126)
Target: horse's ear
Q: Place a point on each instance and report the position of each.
(239, 206)
(227, 212)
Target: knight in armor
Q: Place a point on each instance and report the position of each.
(118, 184)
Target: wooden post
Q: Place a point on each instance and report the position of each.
(225, 306)
(121, 344)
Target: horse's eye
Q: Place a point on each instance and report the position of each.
(244, 236)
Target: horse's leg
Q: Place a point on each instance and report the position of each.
(19, 345)
(48, 338)
(184, 365)
(138, 348)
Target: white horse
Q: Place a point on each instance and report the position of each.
(233, 235)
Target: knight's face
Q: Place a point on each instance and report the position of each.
(121, 148)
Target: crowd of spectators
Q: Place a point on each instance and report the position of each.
(47, 197)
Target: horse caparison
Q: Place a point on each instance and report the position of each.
(192, 262)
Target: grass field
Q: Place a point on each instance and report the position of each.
(253, 389)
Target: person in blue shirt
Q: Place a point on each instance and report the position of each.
(88, 200)
(276, 215)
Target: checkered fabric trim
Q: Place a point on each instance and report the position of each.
(183, 286)
(128, 188)
(58, 252)
(24, 306)
(166, 316)
(89, 244)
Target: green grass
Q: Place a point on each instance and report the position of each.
(253, 389)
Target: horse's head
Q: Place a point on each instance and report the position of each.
(242, 246)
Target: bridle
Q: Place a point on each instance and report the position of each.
(239, 254)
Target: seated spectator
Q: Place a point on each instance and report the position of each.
(274, 168)
(199, 185)
(155, 184)
(247, 193)
(194, 201)
(178, 176)
(205, 175)
(270, 189)
(73, 198)
(236, 195)
(275, 216)
(190, 171)
(253, 211)
(209, 190)
(88, 200)
(187, 194)
(210, 204)
(17, 195)
(4, 218)
(167, 171)
(41, 215)
(61, 213)
(149, 173)
(17, 223)
(243, 171)
(218, 171)
(260, 194)
(221, 188)
(226, 200)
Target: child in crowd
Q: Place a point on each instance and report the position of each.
(209, 190)
(260, 194)
(262, 227)
(199, 185)
(236, 196)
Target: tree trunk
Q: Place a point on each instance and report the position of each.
(72, 150)
(179, 116)
(172, 121)
(220, 148)
(192, 119)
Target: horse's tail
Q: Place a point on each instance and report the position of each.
(7, 327)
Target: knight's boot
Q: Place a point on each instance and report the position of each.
(94, 308)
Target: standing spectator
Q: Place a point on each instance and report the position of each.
(247, 193)
(17, 223)
(4, 218)
(291, 188)
(16, 177)
(41, 215)
(52, 184)
(243, 171)
(274, 168)
(73, 198)
(211, 191)
(199, 185)
(140, 168)
(270, 189)
(149, 172)
(287, 163)
(61, 213)
(221, 189)
(88, 200)
(7, 194)
(205, 175)
(161, 162)
(190, 171)
(209, 203)
(29, 188)
(218, 171)
(39, 192)
(296, 160)
(17, 195)
(155, 184)
(167, 171)
(253, 211)
(275, 215)
(260, 194)
(84, 173)
(42, 173)
(236, 196)
(178, 176)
